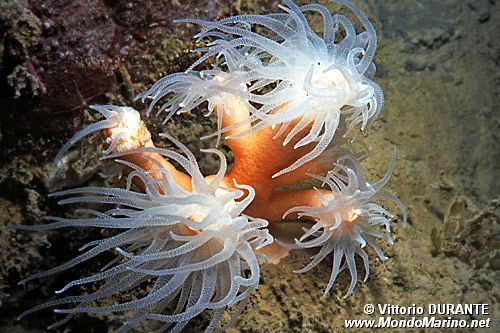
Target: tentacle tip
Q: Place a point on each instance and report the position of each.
(263, 245)
(120, 251)
(347, 295)
(10, 227)
(277, 174)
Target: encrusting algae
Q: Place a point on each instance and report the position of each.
(287, 102)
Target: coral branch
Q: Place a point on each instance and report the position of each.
(260, 155)
(282, 201)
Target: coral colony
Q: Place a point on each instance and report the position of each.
(288, 102)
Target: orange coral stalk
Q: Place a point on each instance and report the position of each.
(260, 155)
(257, 157)
(141, 138)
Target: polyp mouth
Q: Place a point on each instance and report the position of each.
(351, 216)
(332, 78)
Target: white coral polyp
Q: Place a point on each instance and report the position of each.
(348, 220)
(124, 124)
(194, 250)
(290, 78)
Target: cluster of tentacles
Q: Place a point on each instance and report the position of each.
(287, 106)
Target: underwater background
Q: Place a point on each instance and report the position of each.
(437, 62)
